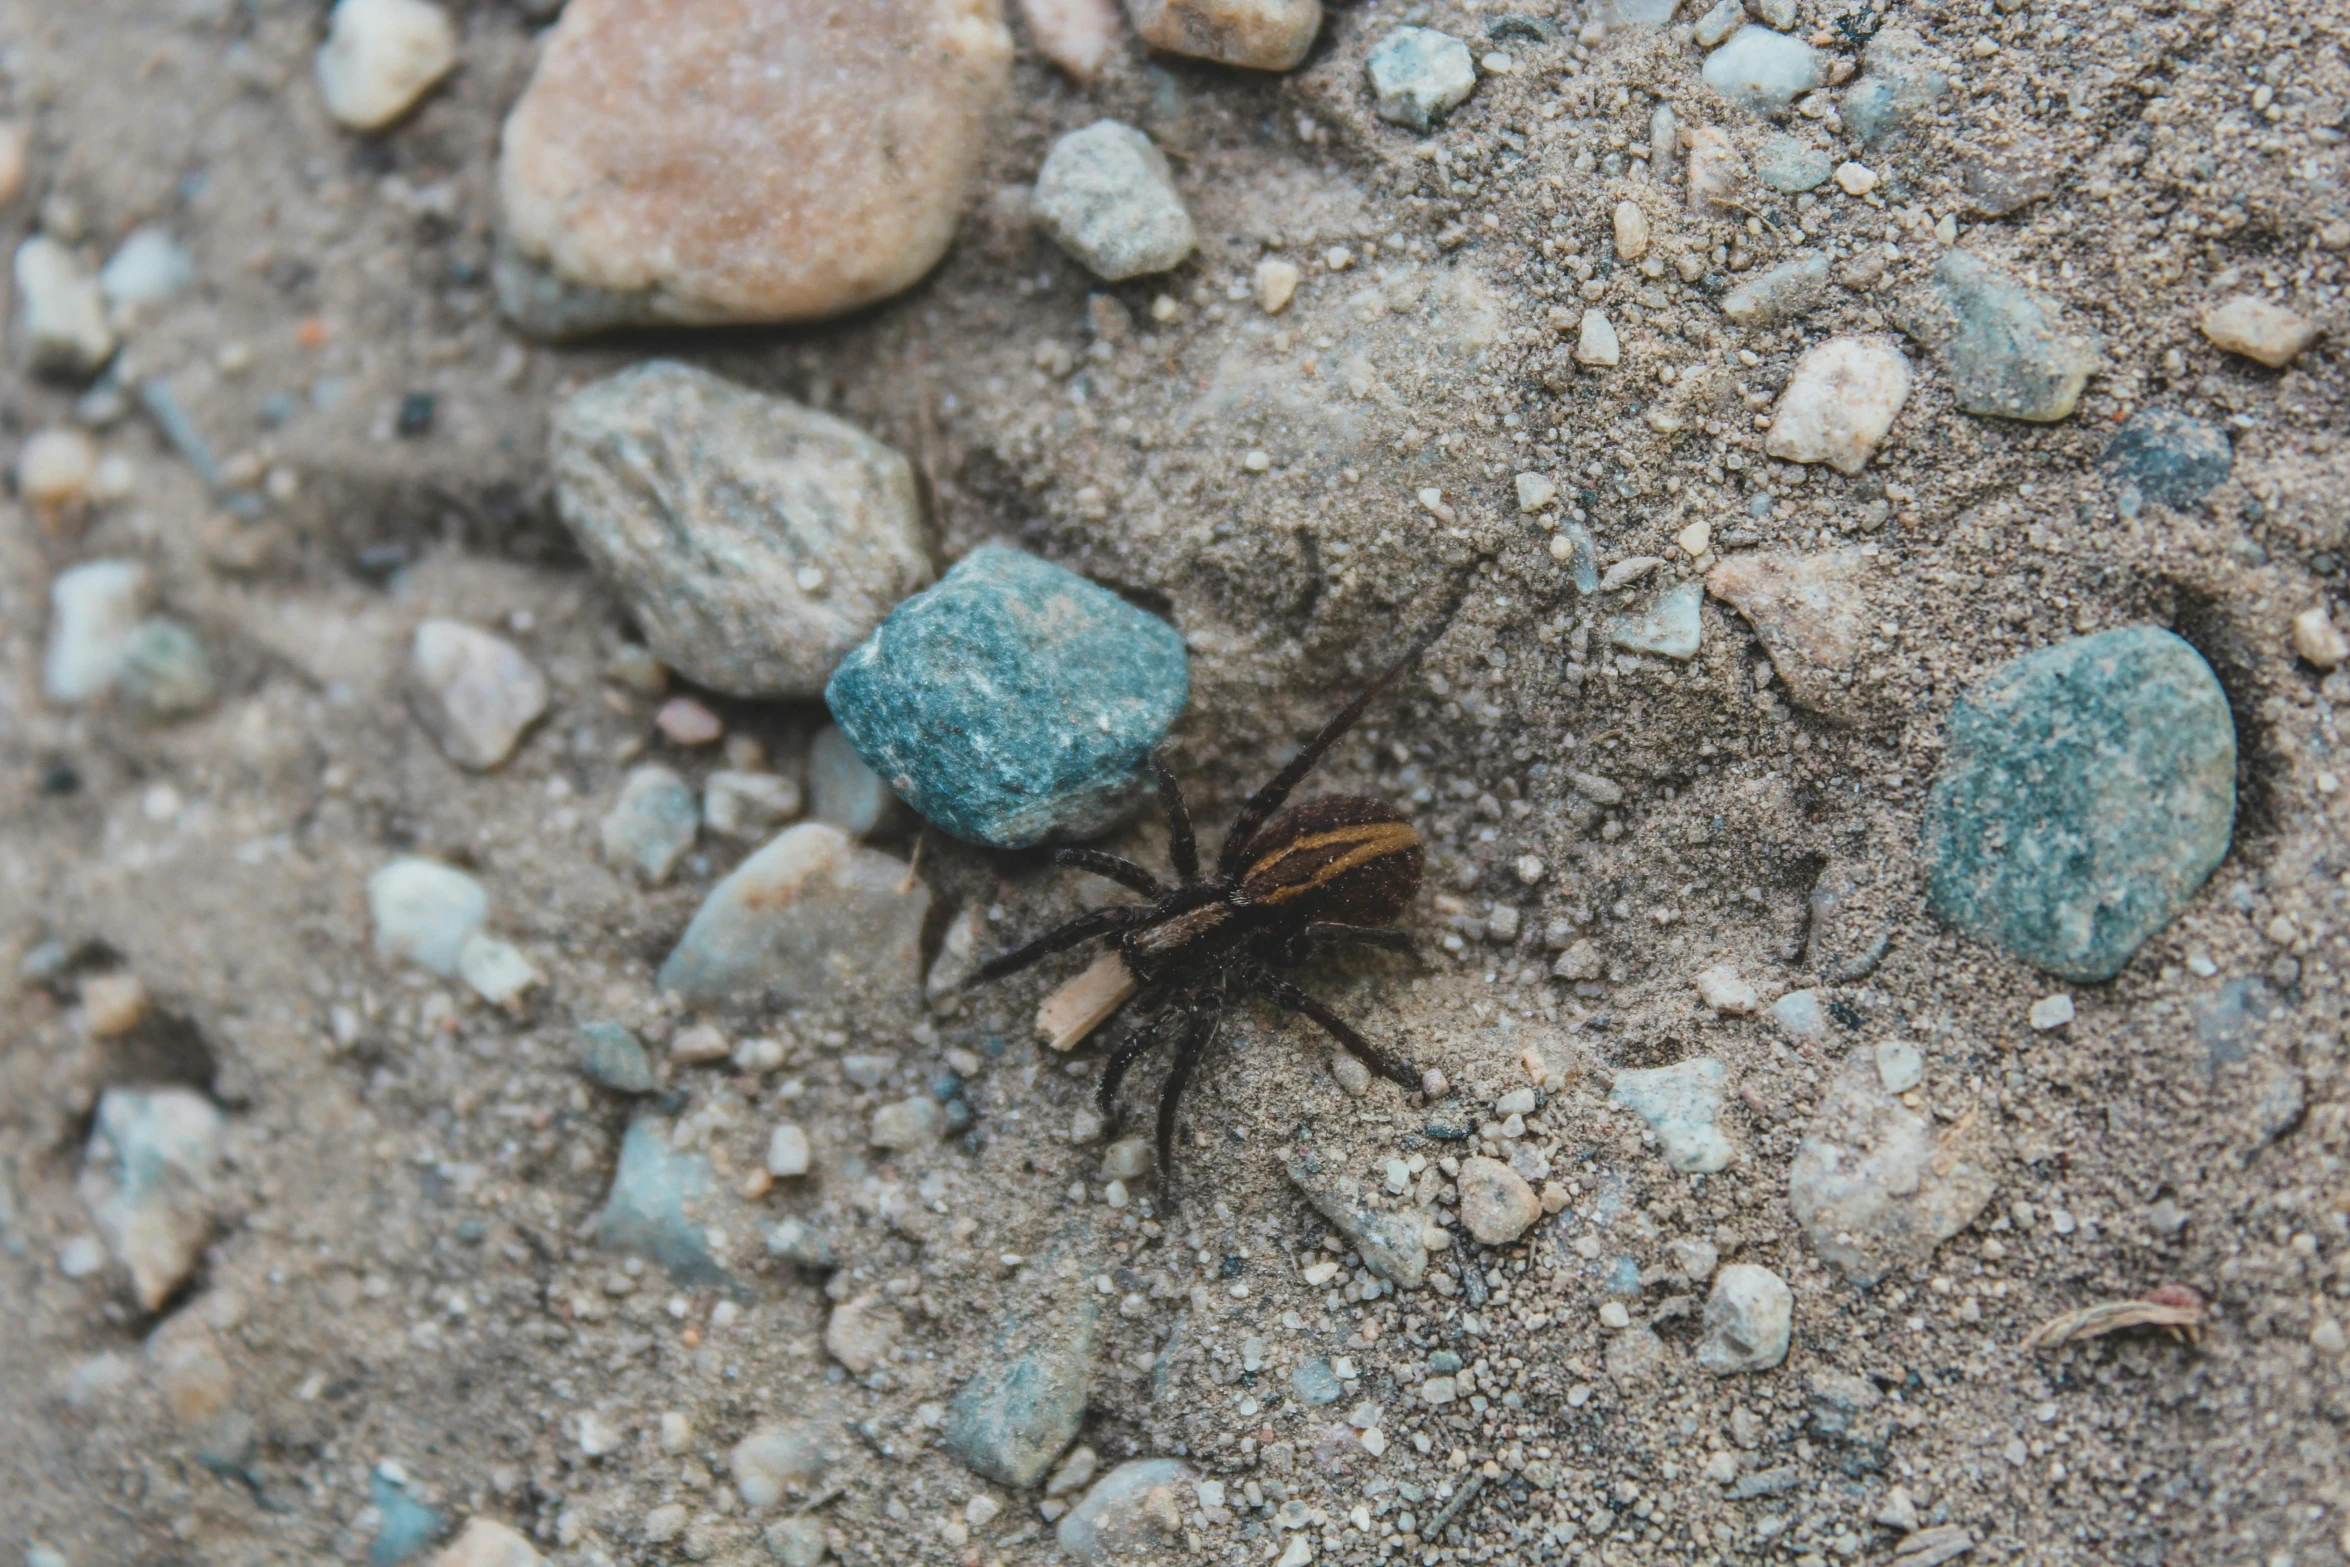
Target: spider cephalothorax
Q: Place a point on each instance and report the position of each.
(1336, 869)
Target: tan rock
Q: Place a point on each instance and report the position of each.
(13, 160)
(1631, 231)
(1265, 35)
(2259, 330)
(1079, 36)
(709, 161)
(859, 1332)
(484, 1542)
(1716, 171)
(1809, 611)
(1840, 402)
(2317, 639)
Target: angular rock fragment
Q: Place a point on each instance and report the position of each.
(812, 917)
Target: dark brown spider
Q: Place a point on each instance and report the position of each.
(1336, 869)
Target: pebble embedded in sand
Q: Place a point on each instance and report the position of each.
(1264, 35)
(2259, 330)
(1840, 403)
(381, 56)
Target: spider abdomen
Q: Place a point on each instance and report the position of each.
(1342, 858)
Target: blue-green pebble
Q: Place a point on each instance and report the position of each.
(1014, 701)
(2088, 789)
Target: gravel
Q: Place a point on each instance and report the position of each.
(474, 693)
(1418, 76)
(811, 916)
(381, 56)
(94, 612)
(1841, 401)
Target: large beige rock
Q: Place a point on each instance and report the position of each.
(1811, 614)
(706, 161)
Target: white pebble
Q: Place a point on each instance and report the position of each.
(787, 1152)
(2318, 640)
(2051, 1012)
(1726, 991)
(1276, 284)
(1840, 403)
(380, 56)
(60, 313)
(1596, 343)
(1856, 179)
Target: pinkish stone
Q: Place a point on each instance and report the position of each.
(705, 161)
(1265, 35)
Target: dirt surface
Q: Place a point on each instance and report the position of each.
(406, 1271)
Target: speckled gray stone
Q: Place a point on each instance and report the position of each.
(653, 1205)
(1020, 1411)
(2009, 352)
(754, 540)
(1107, 197)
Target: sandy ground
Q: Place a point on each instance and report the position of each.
(406, 1271)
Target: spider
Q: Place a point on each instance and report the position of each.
(1333, 870)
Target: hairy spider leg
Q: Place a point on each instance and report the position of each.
(1361, 935)
(1182, 847)
(1130, 1049)
(1205, 1010)
(1267, 800)
(1284, 994)
(1094, 922)
(1111, 867)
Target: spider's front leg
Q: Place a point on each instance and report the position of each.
(1096, 922)
(1205, 1009)
(1288, 996)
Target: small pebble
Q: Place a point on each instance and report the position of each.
(148, 1178)
(149, 267)
(1022, 1408)
(1596, 343)
(2318, 640)
(612, 1056)
(684, 721)
(1013, 701)
(1079, 36)
(1782, 293)
(484, 1542)
(810, 916)
(1716, 170)
(1726, 991)
(1496, 1203)
(908, 1124)
(1418, 76)
(1075, 1472)
(1839, 403)
(1856, 179)
(1631, 226)
(165, 674)
(775, 1458)
(2009, 351)
(1276, 284)
(748, 806)
(1726, 17)
(754, 539)
(842, 790)
(1535, 491)
(1799, 1012)
(647, 1210)
(787, 1152)
(1900, 1066)
(1681, 1103)
(13, 160)
(496, 970)
(651, 825)
(1263, 35)
(1136, 1512)
(55, 473)
(94, 611)
(1762, 70)
(699, 1045)
(1671, 628)
(1354, 1078)
(2259, 330)
(1749, 1320)
(61, 322)
(2051, 1012)
(381, 56)
(1790, 166)
(1106, 195)
(112, 1004)
(424, 912)
(474, 693)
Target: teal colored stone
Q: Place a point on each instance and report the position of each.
(405, 1525)
(1014, 701)
(650, 1209)
(166, 673)
(2008, 351)
(1898, 83)
(612, 1056)
(1316, 1382)
(1022, 1408)
(1787, 165)
(2169, 456)
(2087, 790)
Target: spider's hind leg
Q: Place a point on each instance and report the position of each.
(1288, 996)
(1206, 1010)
